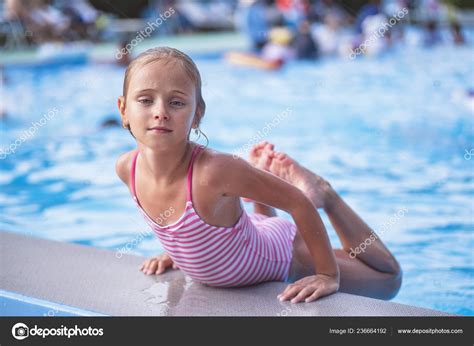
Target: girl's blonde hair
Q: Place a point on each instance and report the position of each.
(167, 54)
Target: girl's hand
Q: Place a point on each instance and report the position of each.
(310, 288)
(157, 265)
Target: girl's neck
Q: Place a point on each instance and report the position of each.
(163, 166)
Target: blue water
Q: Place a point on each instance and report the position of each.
(389, 133)
(13, 304)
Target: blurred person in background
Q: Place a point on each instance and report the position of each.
(275, 53)
(454, 24)
(396, 32)
(304, 45)
(294, 11)
(178, 23)
(278, 49)
(13, 11)
(456, 31)
(253, 19)
(44, 21)
(376, 44)
(56, 21)
(329, 34)
(82, 16)
(323, 8)
(431, 12)
(431, 35)
(371, 9)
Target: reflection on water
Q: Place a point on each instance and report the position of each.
(388, 134)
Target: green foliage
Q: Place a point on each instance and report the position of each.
(121, 8)
(467, 4)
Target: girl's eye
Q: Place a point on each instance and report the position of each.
(177, 103)
(145, 101)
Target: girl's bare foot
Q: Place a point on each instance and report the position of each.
(260, 155)
(318, 190)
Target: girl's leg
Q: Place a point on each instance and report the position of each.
(356, 277)
(375, 272)
(353, 231)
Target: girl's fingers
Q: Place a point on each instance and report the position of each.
(157, 265)
(161, 267)
(282, 295)
(316, 294)
(290, 292)
(288, 288)
(152, 267)
(167, 261)
(145, 266)
(303, 294)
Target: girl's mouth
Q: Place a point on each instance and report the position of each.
(160, 129)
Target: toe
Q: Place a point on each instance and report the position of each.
(269, 146)
(253, 151)
(280, 156)
(257, 148)
(262, 145)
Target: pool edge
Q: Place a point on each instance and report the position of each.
(111, 285)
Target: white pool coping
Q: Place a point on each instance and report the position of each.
(93, 279)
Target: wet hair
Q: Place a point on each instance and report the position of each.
(167, 54)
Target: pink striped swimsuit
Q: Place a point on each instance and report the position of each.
(256, 249)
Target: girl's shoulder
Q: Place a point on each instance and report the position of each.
(123, 166)
(214, 164)
(212, 159)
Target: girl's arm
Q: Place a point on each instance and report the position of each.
(236, 177)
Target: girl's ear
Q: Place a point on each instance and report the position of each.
(197, 117)
(121, 107)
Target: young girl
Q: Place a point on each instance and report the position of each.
(190, 197)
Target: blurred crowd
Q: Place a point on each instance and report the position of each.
(39, 21)
(277, 29)
(304, 29)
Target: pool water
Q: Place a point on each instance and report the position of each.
(391, 134)
(13, 304)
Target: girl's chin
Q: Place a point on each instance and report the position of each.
(161, 142)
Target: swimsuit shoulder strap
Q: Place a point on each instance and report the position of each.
(196, 151)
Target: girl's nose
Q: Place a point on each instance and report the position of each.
(162, 116)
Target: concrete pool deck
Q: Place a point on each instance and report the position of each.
(97, 280)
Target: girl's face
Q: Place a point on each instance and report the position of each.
(160, 104)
